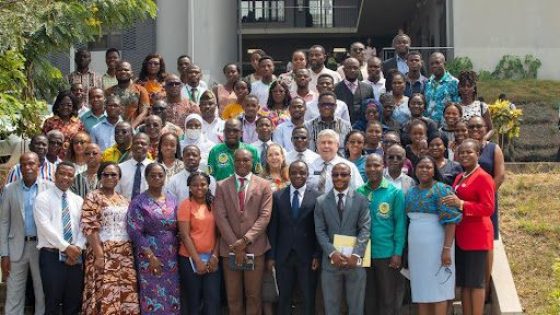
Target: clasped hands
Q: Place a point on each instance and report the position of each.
(341, 261)
(73, 253)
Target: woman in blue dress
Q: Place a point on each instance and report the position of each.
(431, 235)
(354, 151)
(152, 227)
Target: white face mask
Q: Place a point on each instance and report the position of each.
(193, 134)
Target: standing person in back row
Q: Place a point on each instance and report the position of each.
(341, 211)
(317, 57)
(352, 91)
(441, 88)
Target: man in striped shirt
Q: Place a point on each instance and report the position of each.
(39, 144)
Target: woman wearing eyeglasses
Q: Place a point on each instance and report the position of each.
(77, 149)
(474, 195)
(110, 277)
(430, 240)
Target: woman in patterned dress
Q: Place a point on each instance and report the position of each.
(279, 99)
(110, 277)
(152, 227)
(152, 75)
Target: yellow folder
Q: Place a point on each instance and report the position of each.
(345, 245)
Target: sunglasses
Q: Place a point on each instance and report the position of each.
(112, 175)
(299, 138)
(82, 142)
(394, 157)
(173, 83)
(91, 153)
(327, 104)
(343, 175)
(478, 126)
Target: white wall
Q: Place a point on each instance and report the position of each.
(205, 30)
(487, 30)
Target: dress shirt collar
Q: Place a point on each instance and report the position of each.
(25, 188)
(344, 192)
(300, 190)
(247, 178)
(246, 122)
(352, 86)
(59, 192)
(145, 162)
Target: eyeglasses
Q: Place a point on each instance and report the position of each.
(394, 157)
(107, 175)
(343, 175)
(57, 143)
(153, 63)
(173, 83)
(478, 126)
(327, 104)
(356, 142)
(448, 272)
(299, 138)
(82, 142)
(91, 153)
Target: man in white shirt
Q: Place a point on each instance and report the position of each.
(249, 118)
(57, 213)
(183, 63)
(133, 181)
(212, 126)
(193, 89)
(325, 83)
(328, 143)
(357, 50)
(300, 143)
(283, 132)
(317, 58)
(375, 77)
(177, 185)
(264, 134)
(260, 88)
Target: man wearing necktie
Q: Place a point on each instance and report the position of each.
(242, 211)
(133, 181)
(294, 248)
(60, 240)
(193, 89)
(352, 91)
(344, 212)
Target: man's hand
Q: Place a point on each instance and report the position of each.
(315, 264)
(395, 262)
(338, 260)
(239, 246)
(239, 258)
(352, 261)
(5, 268)
(73, 252)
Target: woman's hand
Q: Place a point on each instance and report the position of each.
(201, 267)
(446, 257)
(451, 201)
(99, 263)
(213, 263)
(155, 265)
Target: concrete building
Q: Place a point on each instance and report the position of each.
(215, 32)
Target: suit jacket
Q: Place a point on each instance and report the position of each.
(389, 65)
(356, 221)
(12, 218)
(354, 101)
(251, 223)
(286, 233)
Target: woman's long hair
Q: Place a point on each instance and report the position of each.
(209, 198)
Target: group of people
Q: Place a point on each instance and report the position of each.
(156, 195)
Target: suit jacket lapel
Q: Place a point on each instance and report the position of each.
(347, 207)
(305, 206)
(232, 191)
(20, 201)
(332, 206)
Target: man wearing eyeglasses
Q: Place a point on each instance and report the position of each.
(326, 120)
(177, 108)
(87, 181)
(342, 211)
(300, 143)
(357, 50)
(395, 157)
(133, 181)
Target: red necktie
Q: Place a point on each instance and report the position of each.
(241, 193)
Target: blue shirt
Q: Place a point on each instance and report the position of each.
(89, 120)
(283, 135)
(401, 65)
(29, 194)
(416, 86)
(439, 93)
(103, 134)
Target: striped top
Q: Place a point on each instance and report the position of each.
(46, 172)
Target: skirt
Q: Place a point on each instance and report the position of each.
(430, 282)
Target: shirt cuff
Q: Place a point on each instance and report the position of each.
(332, 253)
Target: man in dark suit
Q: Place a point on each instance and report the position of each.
(242, 212)
(352, 91)
(294, 248)
(342, 211)
(401, 44)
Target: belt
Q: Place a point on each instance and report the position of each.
(52, 250)
(30, 238)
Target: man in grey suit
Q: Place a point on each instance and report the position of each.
(18, 236)
(343, 212)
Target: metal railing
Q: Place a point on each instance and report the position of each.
(319, 16)
(448, 52)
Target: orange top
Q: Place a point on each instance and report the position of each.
(202, 224)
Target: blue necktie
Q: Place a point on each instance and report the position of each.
(137, 181)
(295, 205)
(66, 223)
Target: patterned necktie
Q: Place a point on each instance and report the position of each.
(295, 205)
(340, 205)
(300, 156)
(137, 181)
(264, 153)
(323, 178)
(66, 223)
(193, 94)
(241, 193)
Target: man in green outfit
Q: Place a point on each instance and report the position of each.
(384, 284)
(220, 158)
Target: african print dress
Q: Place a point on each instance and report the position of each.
(112, 290)
(153, 224)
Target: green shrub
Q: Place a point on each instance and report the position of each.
(514, 68)
(459, 64)
(555, 294)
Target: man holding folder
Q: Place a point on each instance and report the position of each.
(342, 212)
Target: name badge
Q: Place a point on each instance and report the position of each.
(317, 173)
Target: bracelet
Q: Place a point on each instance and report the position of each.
(446, 247)
(99, 257)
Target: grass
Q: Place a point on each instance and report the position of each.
(526, 91)
(530, 227)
